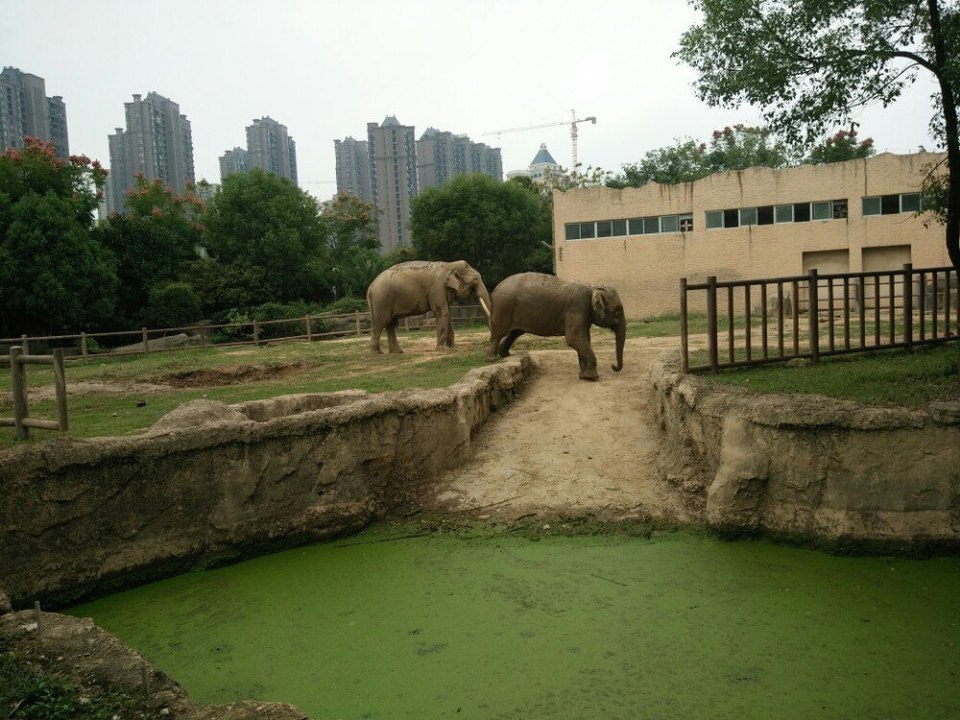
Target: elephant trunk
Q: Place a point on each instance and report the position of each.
(621, 334)
(484, 297)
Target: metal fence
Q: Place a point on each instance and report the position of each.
(811, 316)
(326, 326)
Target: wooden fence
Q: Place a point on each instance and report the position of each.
(326, 326)
(811, 316)
(21, 419)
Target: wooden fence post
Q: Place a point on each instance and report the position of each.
(908, 306)
(60, 382)
(256, 334)
(357, 320)
(83, 345)
(146, 340)
(684, 348)
(712, 323)
(813, 308)
(307, 324)
(19, 384)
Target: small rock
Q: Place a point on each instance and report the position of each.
(141, 403)
(165, 711)
(797, 363)
(83, 700)
(546, 527)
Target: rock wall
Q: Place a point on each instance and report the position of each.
(210, 482)
(810, 467)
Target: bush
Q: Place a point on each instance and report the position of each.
(347, 305)
(172, 305)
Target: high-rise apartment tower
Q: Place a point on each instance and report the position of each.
(393, 179)
(26, 111)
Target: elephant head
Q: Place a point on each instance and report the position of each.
(463, 282)
(608, 313)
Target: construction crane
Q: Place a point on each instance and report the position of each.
(573, 122)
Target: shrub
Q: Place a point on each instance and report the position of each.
(172, 305)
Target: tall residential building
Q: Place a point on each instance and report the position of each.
(270, 147)
(442, 155)
(157, 143)
(26, 111)
(353, 167)
(393, 178)
(234, 161)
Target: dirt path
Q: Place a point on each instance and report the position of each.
(570, 448)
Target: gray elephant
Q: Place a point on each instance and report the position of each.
(413, 288)
(546, 305)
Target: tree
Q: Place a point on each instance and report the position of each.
(840, 147)
(152, 243)
(809, 64)
(498, 228)
(265, 234)
(54, 274)
(733, 148)
(354, 246)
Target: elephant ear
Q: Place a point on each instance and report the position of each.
(599, 302)
(453, 280)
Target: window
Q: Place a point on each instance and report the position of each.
(731, 218)
(839, 209)
(892, 204)
(586, 231)
(636, 226)
(801, 212)
(765, 215)
(619, 227)
(604, 228)
(573, 231)
(686, 223)
(748, 216)
(783, 213)
(822, 211)
(651, 225)
(670, 223)
(714, 219)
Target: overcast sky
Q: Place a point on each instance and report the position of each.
(325, 69)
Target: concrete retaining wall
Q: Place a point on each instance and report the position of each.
(814, 468)
(209, 482)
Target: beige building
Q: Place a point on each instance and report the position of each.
(853, 216)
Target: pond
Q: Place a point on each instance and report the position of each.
(676, 625)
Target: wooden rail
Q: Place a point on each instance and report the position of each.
(845, 313)
(21, 419)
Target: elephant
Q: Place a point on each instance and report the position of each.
(412, 288)
(546, 305)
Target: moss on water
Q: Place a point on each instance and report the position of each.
(395, 624)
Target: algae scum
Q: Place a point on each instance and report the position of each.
(677, 626)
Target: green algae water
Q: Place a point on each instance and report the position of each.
(677, 626)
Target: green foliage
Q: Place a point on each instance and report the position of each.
(347, 305)
(54, 274)
(733, 148)
(810, 65)
(173, 304)
(499, 228)
(840, 147)
(152, 243)
(266, 241)
(354, 245)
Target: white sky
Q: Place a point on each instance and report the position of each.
(326, 68)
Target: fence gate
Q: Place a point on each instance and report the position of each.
(21, 419)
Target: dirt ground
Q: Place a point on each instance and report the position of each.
(571, 448)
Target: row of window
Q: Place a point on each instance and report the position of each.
(737, 217)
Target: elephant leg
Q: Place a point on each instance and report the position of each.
(392, 344)
(375, 329)
(588, 361)
(503, 349)
(444, 327)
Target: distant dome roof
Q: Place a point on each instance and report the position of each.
(544, 157)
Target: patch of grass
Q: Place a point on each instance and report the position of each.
(891, 377)
(27, 693)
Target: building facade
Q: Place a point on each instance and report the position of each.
(442, 155)
(541, 167)
(393, 179)
(26, 111)
(353, 167)
(157, 143)
(853, 216)
(233, 161)
(271, 148)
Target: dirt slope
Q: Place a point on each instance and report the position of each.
(571, 448)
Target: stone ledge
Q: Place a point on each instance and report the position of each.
(211, 482)
(810, 467)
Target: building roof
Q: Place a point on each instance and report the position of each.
(544, 157)
(390, 121)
